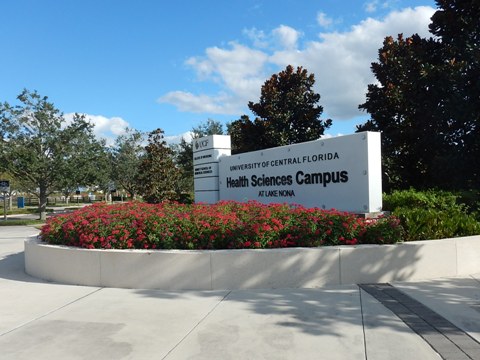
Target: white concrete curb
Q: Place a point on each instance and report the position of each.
(250, 269)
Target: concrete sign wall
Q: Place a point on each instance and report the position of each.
(342, 173)
(206, 153)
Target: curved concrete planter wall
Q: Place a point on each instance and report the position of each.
(247, 269)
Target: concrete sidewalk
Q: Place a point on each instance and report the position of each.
(40, 320)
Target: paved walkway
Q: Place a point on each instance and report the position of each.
(40, 320)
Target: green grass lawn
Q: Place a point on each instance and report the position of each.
(17, 222)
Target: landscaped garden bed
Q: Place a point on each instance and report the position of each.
(226, 225)
(197, 239)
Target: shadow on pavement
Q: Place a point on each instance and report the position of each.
(313, 311)
(317, 311)
(12, 267)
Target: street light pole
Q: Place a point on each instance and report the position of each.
(4, 206)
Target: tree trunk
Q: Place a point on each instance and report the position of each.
(42, 203)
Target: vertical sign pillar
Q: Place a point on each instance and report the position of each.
(206, 153)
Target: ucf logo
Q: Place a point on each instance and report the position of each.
(199, 144)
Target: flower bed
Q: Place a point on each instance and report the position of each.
(226, 225)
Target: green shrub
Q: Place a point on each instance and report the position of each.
(425, 224)
(431, 214)
(471, 199)
(429, 199)
(384, 230)
(186, 198)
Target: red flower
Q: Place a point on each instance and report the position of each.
(223, 225)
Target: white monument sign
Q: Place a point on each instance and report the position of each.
(342, 173)
(206, 153)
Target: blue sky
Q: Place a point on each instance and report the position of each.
(174, 64)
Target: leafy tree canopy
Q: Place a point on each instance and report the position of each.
(158, 177)
(427, 102)
(127, 153)
(287, 113)
(210, 127)
(40, 149)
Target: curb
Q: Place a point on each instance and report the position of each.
(253, 268)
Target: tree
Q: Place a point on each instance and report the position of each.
(287, 113)
(36, 144)
(183, 158)
(80, 167)
(247, 135)
(427, 102)
(456, 25)
(158, 176)
(404, 107)
(210, 127)
(104, 171)
(127, 157)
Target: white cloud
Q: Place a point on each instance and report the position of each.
(330, 136)
(103, 127)
(340, 61)
(287, 37)
(110, 128)
(371, 6)
(238, 70)
(175, 139)
(282, 37)
(323, 20)
(258, 37)
(188, 102)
